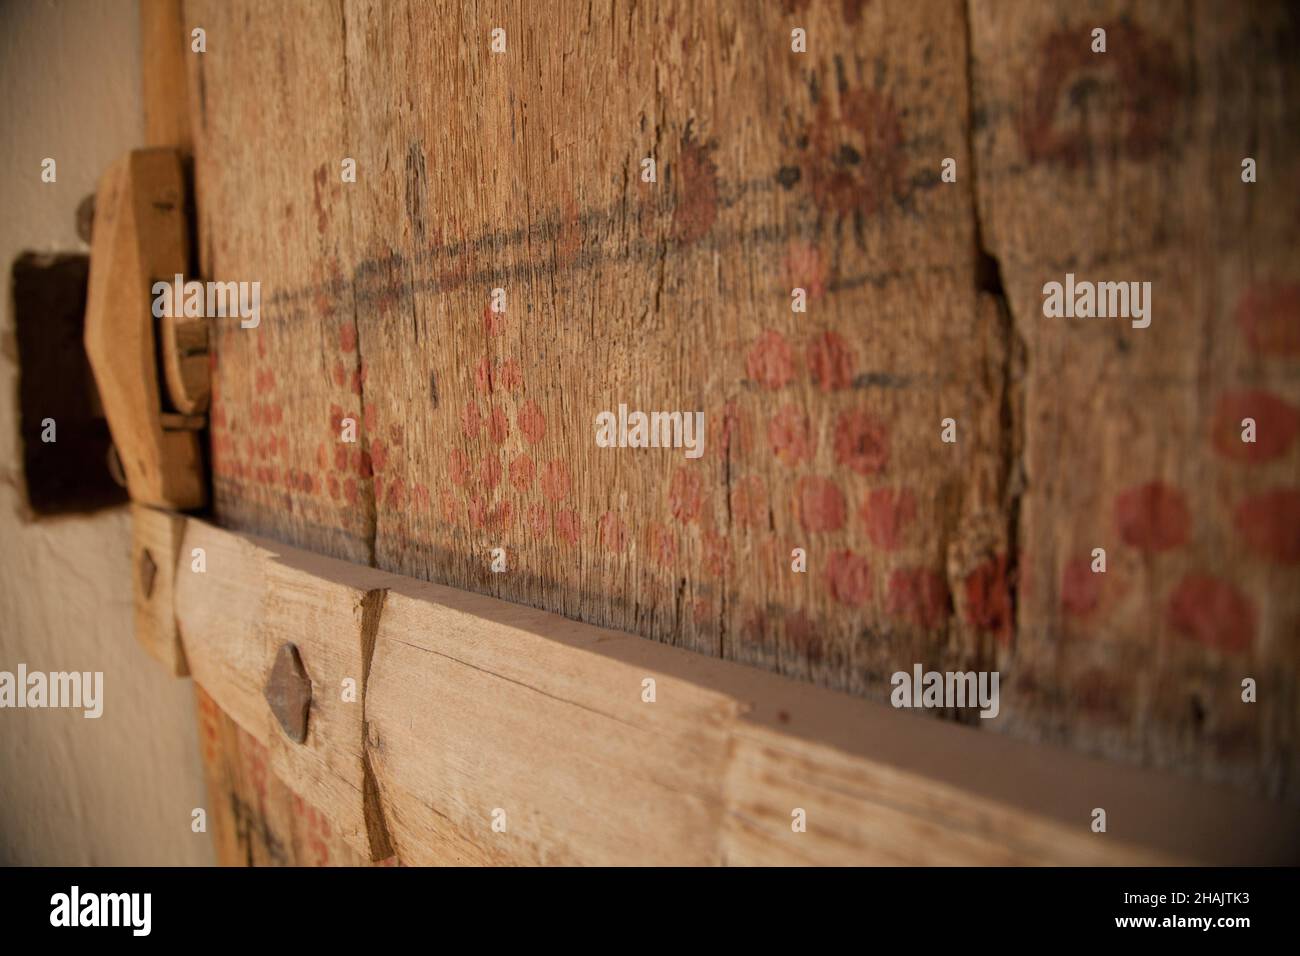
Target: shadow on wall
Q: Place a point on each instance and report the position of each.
(118, 789)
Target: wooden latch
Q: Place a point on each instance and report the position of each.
(152, 374)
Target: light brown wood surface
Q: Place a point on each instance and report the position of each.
(155, 554)
(1128, 166)
(235, 616)
(520, 171)
(164, 42)
(468, 706)
(140, 234)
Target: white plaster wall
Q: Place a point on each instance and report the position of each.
(118, 790)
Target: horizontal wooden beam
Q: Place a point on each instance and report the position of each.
(451, 727)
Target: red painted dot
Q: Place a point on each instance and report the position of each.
(861, 442)
(458, 467)
(555, 480)
(498, 426)
(499, 517)
(988, 598)
(489, 473)
(470, 419)
(805, 270)
(716, 554)
(1210, 611)
(350, 491)
(1276, 425)
(820, 504)
(1269, 315)
(539, 519)
(613, 533)
(378, 455)
(568, 525)
(396, 493)
(1153, 517)
(830, 362)
(685, 494)
(348, 338)
(509, 375)
(770, 362)
(749, 502)
(790, 436)
(1270, 524)
(848, 578)
(521, 473)
(735, 431)
(918, 596)
(1080, 587)
(532, 422)
(420, 496)
(340, 374)
(483, 376)
(494, 323)
(663, 546)
(477, 510)
(887, 512)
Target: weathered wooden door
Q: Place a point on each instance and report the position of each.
(829, 228)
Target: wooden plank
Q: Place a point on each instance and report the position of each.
(475, 172)
(279, 391)
(1127, 166)
(238, 613)
(155, 553)
(165, 40)
(475, 429)
(476, 711)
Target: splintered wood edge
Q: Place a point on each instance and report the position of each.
(139, 237)
(470, 710)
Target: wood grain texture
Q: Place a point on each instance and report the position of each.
(254, 818)
(520, 171)
(140, 234)
(476, 429)
(236, 616)
(165, 40)
(1131, 163)
(475, 711)
(155, 552)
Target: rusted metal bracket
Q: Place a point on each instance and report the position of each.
(288, 692)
